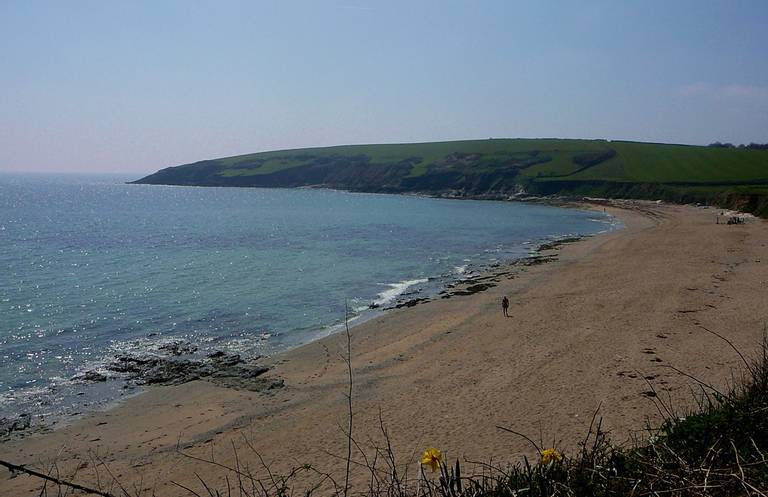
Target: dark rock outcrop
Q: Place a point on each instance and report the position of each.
(227, 370)
(179, 348)
(94, 376)
(20, 423)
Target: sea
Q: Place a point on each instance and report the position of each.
(92, 267)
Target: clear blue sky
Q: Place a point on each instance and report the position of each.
(137, 86)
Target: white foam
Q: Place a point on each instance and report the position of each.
(395, 290)
(731, 213)
(460, 269)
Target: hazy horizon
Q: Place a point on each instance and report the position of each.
(133, 88)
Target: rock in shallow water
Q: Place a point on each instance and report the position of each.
(220, 368)
(21, 423)
(179, 348)
(94, 376)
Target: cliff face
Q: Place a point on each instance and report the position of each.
(679, 173)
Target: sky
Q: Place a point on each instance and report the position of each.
(132, 87)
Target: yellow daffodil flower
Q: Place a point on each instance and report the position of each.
(550, 455)
(432, 458)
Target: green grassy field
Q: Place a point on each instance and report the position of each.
(681, 173)
(644, 162)
(492, 152)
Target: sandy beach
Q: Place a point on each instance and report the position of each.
(602, 325)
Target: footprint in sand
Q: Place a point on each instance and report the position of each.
(628, 374)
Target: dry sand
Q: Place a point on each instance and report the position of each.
(585, 330)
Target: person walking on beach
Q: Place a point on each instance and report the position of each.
(505, 306)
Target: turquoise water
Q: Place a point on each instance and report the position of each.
(92, 267)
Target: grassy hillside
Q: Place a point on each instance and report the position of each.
(683, 173)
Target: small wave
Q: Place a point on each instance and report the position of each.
(460, 269)
(250, 345)
(395, 290)
(358, 305)
(17, 395)
(336, 327)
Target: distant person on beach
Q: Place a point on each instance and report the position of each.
(505, 306)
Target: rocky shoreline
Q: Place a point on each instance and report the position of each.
(177, 362)
(220, 368)
(487, 277)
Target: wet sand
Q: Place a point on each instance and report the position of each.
(594, 327)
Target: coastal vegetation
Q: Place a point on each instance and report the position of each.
(731, 177)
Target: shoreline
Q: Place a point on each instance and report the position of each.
(459, 285)
(445, 373)
(440, 285)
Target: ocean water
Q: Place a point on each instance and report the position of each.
(91, 267)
